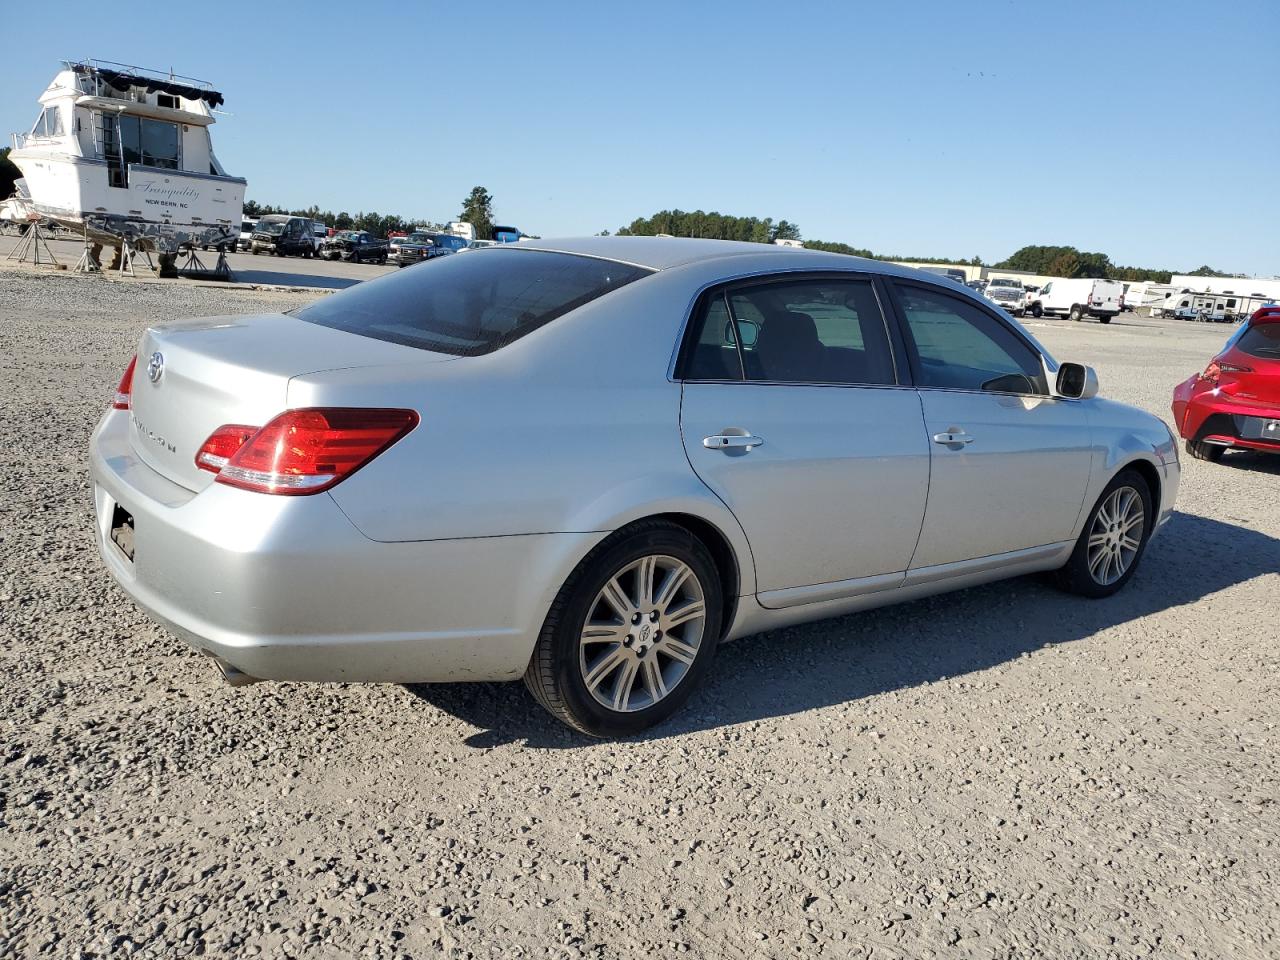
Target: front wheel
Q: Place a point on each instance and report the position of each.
(630, 633)
(1113, 540)
(1037, 311)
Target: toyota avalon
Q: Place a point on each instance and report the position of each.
(588, 462)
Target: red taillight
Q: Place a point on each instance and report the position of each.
(124, 392)
(306, 451)
(1213, 373)
(223, 444)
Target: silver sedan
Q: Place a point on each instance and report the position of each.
(588, 462)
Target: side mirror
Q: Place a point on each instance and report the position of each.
(1077, 381)
(749, 329)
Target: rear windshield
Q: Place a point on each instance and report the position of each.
(470, 305)
(1261, 340)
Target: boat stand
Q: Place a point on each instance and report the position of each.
(88, 263)
(29, 247)
(193, 267)
(129, 253)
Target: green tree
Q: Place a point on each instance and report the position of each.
(477, 210)
(9, 173)
(785, 230)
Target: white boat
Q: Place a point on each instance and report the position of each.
(122, 153)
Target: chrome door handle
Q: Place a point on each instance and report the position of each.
(947, 439)
(723, 441)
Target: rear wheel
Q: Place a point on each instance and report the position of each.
(1105, 319)
(1076, 313)
(1205, 451)
(1113, 540)
(630, 633)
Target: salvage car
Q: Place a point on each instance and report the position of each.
(589, 462)
(355, 246)
(1235, 402)
(416, 247)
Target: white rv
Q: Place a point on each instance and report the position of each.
(1079, 298)
(122, 153)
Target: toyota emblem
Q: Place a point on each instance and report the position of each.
(155, 367)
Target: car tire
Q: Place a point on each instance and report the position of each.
(1037, 311)
(629, 675)
(1211, 452)
(1106, 319)
(1076, 313)
(1106, 554)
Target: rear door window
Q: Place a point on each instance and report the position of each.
(471, 305)
(806, 331)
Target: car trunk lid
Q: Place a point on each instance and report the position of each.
(193, 377)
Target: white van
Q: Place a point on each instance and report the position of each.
(1077, 298)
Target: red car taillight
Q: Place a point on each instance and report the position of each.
(1213, 373)
(223, 444)
(303, 451)
(124, 392)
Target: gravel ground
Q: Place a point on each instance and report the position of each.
(1005, 772)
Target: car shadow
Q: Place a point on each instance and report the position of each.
(792, 670)
(1252, 460)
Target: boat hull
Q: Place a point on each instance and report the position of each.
(161, 210)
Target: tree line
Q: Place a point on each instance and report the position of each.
(1054, 261)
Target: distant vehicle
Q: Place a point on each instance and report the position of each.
(246, 232)
(478, 244)
(284, 236)
(1078, 298)
(424, 245)
(978, 285)
(1235, 403)
(355, 246)
(1008, 293)
(951, 273)
(322, 233)
(1210, 307)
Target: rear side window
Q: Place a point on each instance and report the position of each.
(470, 305)
(1260, 340)
(963, 347)
(808, 331)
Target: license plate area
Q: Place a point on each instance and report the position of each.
(1261, 428)
(121, 532)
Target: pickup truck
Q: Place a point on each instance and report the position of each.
(1007, 293)
(355, 246)
(423, 245)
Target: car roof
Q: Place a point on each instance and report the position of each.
(662, 253)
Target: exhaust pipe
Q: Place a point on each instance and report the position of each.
(232, 675)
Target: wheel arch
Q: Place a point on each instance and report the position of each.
(728, 567)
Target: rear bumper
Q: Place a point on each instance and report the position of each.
(1208, 415)
(286, 588)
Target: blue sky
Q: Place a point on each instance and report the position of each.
(1148, 131)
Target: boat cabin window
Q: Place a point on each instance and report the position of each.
(48, 124)
(152, 143)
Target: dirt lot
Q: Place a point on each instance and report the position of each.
(1006, 772)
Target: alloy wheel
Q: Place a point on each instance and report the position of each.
(642, 633)
(1115, 535)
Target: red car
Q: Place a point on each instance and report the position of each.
(1235, 403)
